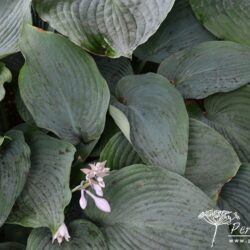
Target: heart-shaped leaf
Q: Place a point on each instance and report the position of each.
(226, 19)
(13, 14)
(229, 114)
(112, 28)
(46, 192)
(84, 235)
(235, 194)
(208, 68)
(5, 76)
(62, 87)
(157, 120)
(180, 30)
(14, 167)
(119, 153)
(153, 208)
(212, 161)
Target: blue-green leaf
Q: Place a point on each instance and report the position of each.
(62, 87)
(152, 115)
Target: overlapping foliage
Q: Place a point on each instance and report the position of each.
(162, 98)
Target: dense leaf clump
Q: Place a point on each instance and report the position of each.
(124, 124)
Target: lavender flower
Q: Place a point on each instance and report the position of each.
(101, 203)
(94, 179)
(61, 234)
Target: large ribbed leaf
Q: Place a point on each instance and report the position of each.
(108, 27)
(119, 153)
(212, 161)
(84, 235)
(227, 19)
(157, 120)
(208, 68)
(229, 114)
(180, 30)
(13, 14)
(46, 192)
(235, 195)
(62, 87)
(5, 76)
(153, 208)
(14, 167)
(113, 70)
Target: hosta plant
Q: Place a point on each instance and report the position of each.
(124, 124)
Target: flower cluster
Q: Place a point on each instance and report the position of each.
(94, 179)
